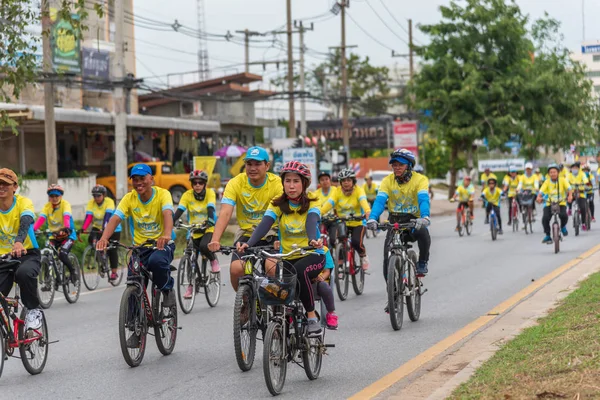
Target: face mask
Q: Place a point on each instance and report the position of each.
(574, 171)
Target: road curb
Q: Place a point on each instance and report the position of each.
(461, 336)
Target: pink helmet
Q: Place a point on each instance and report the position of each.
(297, 168)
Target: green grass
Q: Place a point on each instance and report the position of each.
(558, 358)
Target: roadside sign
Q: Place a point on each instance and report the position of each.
(502, 164)
(405, 135)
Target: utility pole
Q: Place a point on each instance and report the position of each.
(49, 124)
(292, 119)
(410, 49)
(302, 29)
(345, 127)
(247, 35)
(119, 102)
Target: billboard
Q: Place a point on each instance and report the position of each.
(65, 45)
(405, 135)
(365, 133)
(502, 164)
(95, 66)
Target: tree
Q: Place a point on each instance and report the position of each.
(473, 71)
(19, 66)
(369, 85)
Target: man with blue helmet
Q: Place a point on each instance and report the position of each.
(407, 196)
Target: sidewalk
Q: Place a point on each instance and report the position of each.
(441, 369)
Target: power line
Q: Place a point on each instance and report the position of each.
(394, 18)
(367, 33)
(385, 23)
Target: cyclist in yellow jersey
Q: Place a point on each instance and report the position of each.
(250, 193)
(18, 240)
(555, 189)
(492, 194)
(591, 186)
(370, 189)
(298, 222)
(464, 194)
(578, 181)
(350, 199)
(487, 174)
(528, 186)
(540, 177)
(97, 214)
(510, 183)
(323, 194)
(149, 213)
(200, 205)
(60, 220)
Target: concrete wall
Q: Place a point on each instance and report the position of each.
(77, 192)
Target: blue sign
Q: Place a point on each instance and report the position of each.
(590, 49)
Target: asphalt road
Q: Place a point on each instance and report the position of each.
(468, 276)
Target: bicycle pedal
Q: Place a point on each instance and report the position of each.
(367, 273)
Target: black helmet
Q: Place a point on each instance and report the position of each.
(323, 173)
(492, 180)
(99, 189)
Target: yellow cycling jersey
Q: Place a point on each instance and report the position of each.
(356, 204)
(370, 191)
(56, 217)
(465, 193)
(579, 182)
(322, 197)
(404, 198)
(492, 197)
(485, 177)
(512, 184)
(592, 183)
(10, 221)
(555, 191)
(98, 211)
(146, 220)
(251, 202)
(292, 227)
(197, 211)
(529, 183)
(540, 177)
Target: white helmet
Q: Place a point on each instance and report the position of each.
(528, 165)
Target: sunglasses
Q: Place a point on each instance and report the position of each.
(97, 195)
(54, 196)
(194, 183)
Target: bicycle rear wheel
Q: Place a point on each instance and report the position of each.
(212, 284)
(165, 324)
(395, 288)
(312, 357)
(71, 290)
(576, 221)
(469, 223)
(90, 268)
(133, 326)
(530, 220)
(244, 334)
(413, 302)
(46, 283)
(342, 280)
(121, 268)
(186, 278)
(35, 354)
(515, 219)
(459, 225)
(358, 279)
(556, 237)
(274, 358)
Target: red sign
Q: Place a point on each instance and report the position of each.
(405, 135)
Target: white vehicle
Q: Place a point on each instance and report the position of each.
(378, 176)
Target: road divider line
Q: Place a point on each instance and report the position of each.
(440, 347)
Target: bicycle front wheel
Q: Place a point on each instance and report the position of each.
(133, 326)
(469, 224)
(46, 283)
(35, 354)
(395, 289)
(90, 268)
(244, 334)
(358, 279)
(342, 280)
(186, 280)
(165, 324)
(274, 358)
(71, 289)
(556, 237)
(212, 285)
(576, 221)
(413, 301)
(493, 227)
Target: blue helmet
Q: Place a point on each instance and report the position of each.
(403, 156)
(553, 166)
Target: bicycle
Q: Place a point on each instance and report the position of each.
(136, 314)
(249, 314)
(590, 200)
(95, 265)
(556, 231)
(32, 344)
(527, 198)
(287, 339)
(346, 260)
(493, 220)
(54, 274)
(514, 213)
(198, 277)
(576, 212)
(403, 282)
(463, 219)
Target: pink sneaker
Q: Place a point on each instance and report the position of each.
(188, 292)
(332, 321)
(114, 276)
(214, 265)
(569, 213)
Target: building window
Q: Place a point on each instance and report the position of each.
(597, 58)
(593, 74)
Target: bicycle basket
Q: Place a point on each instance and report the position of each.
(527, 199)
(278, 291)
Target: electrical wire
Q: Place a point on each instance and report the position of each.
(385, 23)
(398, 22)
(367, 33)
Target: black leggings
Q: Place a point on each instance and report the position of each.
(564, 218)
(201, 244)
(113, 254)
(357, 234)
(26, 277)
(582, 203)
(324, 290)
(64, 248)
(591, 203)
(308, 268)
(421, 237)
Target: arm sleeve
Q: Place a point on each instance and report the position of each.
(40, 221)
(107, 216)
(312, 222)
(178, 214)
(378, 205)
(88, 220)
(261, 230)
(25, 223)
(211, 214)
(423, 198)
(211, 207)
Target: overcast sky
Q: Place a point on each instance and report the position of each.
(264, 15)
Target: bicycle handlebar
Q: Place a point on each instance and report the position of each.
(396, 226)
(301, 250)
(150, 244)
(202, 226)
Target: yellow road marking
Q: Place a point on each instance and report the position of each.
(411, 366)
